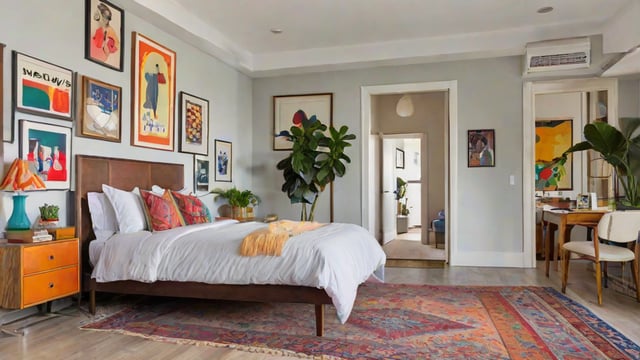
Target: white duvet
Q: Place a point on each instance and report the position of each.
(336, 257)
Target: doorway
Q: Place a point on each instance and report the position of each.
(447, 156)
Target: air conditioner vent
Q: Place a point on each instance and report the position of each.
(558, 55)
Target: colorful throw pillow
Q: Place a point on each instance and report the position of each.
(193, 210)
(162, 211)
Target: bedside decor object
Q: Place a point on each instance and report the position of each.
(48, 216)
(239, 200)
(19, 178)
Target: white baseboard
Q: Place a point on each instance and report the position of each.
(489, 259)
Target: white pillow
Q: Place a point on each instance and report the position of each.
(128, 208)
(103, 217)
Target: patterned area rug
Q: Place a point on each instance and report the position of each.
(390, 322)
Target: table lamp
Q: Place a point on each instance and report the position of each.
(19, 178)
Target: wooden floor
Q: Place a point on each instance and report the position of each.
(60, 338)
(407, 248)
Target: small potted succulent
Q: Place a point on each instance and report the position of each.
(49, 213)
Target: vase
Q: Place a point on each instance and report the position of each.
(19, 219)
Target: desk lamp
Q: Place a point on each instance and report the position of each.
(18, 179)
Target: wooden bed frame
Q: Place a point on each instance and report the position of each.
(93, 171)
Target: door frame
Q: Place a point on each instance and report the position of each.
(450, 154)
(530, 90)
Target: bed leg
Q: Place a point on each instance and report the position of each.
(92, 301)
(319, 319)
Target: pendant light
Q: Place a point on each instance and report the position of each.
(404, 108)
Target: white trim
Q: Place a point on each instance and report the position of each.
(490, 259)
(530, 90)
(451, 153)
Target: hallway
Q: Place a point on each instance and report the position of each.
(407, 249)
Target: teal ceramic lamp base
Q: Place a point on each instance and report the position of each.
(19, 219)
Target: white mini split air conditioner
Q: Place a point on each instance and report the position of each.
(564, 54)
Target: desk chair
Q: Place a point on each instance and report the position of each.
(622, 227)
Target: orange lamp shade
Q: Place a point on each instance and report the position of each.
(19, 177)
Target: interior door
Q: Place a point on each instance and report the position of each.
(389, 206)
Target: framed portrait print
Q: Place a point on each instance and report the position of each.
(194, 124)
(291, 110)
(47, 149)
(42, 88)
(223, 160)
(481, 146)
(153, 89)
(399, 158)
(201, 174)
(104, 33)
(100, 110)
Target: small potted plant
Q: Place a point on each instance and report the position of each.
(49, 215)
(239, 200)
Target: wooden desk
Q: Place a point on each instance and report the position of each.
(564, 221)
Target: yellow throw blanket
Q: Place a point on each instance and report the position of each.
(271, 240)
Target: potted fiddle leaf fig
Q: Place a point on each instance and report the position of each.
(619, 148)
(315, 161)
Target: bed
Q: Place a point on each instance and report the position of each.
(93, 171)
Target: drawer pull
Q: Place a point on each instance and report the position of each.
(51, 257)
(50, 285)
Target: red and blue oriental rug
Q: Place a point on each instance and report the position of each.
(390, 322)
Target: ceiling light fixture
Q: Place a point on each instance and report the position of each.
(276, 31)
(404, 108)
(545, 10)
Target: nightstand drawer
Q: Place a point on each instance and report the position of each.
(49, 256)
(50, 285)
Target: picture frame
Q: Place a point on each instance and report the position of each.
(224, 163)
(47, 149)
(104, 34)
(553, 136)
(201, 174)
(153, 89)
(286, 114)
(4, 125)
(194, 124)
(100, 110)
(481, 146)
(399, 158)
(42, 88)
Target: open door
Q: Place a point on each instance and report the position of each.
(389, 207)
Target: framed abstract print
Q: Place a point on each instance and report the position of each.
(153, 89)
(201, 174)
(291, 110)
(481, 146)
(100, 110)
(104, 33)
(553, 137)
(42, 88)
(194, 124)
(399, 158)
(47, 149)
(223, 161)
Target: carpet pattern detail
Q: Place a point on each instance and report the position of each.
(390, 321)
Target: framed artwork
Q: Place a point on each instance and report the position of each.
(290, 110)
(47, 149)
(223, 160)
(553, 137)
(481, 147)
(104, 33)
(100, 110)
(4, 131)
(42, 88)
(153, 88)
(194, 124)
(399, 158)
(201, 174)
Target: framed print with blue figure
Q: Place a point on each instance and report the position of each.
(223, 160)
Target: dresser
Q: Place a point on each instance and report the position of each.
(36, 273)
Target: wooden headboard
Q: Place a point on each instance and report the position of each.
(125, 174)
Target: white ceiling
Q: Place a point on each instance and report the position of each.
(322, 34)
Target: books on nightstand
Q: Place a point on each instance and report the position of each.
(28, 236)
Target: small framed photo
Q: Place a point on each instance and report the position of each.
(194, 124)
(223, 160)
(291, 110)
(481, 146)
(42, 88)
(399, 158)
(582, 201)
(104, 33)
(47, 149)
(201, 174)
(100, 110)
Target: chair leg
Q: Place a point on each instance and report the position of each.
(634, 272)
(599, 282)
(565, 269)
(606, 274)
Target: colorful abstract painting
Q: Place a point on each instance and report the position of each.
(289, 110)
(47, 149)
(104, 30)
(194, 124)
(41, 87)
(153, 91)
(553, 137)
(100, 117)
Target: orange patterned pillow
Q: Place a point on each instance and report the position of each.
(162, 212)
(192, 209)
